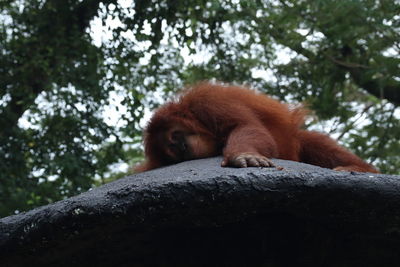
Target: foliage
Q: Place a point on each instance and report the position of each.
(56, 82)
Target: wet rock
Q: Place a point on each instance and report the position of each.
(197, 213)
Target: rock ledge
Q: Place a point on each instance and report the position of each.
(197, 213)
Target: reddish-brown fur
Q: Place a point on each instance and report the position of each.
(247, 128)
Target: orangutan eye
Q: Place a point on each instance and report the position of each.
(177, 137)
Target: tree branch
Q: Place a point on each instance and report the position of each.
(380, 87)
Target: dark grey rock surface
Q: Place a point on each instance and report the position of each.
(197, 213)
